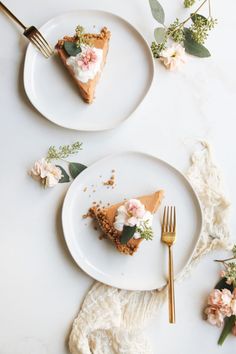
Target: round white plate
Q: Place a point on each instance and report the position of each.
(125, 80)
(136, 174)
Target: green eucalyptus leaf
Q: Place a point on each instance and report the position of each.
(65, 177)
(157, 11)
(159, 34)
(195, 17)
(71, 48)
(194, 48)
(127, 234)
(228, 325)
(76, 168)
(223, 285)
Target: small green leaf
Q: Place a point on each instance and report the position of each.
(71, 48)
(65, 177)
(194, 48)
(195, 17)
(127, 234)
(159, 34)
(76, 168)
(157, 11)
(229, 324)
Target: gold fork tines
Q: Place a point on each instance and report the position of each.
(32, 33)
(168, 236)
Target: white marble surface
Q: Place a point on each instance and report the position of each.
(41, 288)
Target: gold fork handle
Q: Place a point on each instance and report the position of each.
(9, 13)
(171, 288)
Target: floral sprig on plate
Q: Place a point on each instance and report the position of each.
(189, 39)
(50, 174)
(74, 48)
(221, 304)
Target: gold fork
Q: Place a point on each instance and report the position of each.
(33, 35)
(168, 236)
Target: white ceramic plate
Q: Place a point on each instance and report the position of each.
(125, 81)
(136, 174)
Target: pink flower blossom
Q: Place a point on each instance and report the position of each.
(214, 316)
(220, 298)
(173, 56)
(135, 208)
(45, 172)
(221, 304)
(86, 58)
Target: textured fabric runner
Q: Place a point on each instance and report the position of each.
(111, 321)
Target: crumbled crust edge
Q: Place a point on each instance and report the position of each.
(114, 235)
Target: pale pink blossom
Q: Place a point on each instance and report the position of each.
(45, 172)
(214, 316)
(87, 58)
(173, 56)
(220, 298)
(135, 208)
(226, 297)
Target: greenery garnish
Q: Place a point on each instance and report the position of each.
(65, 177)
(228, 326)
(76, 168)
(63, 151)
(192, 38)
(71, 48)
(127, 233)
(74, 48)
(229, 268)
(145, 230)
(81, 37)
(193, 47)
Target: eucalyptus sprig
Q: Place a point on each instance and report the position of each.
(192, 38)
(63, 151)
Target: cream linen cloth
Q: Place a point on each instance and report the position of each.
(111, 321)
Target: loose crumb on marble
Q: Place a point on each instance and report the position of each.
(85, 189)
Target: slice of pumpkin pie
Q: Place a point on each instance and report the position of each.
(84, 56)
(128, 223)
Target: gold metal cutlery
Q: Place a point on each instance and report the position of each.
(168, 236)
(33, 35)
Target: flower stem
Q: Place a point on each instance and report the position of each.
(224, 260)
(189, 18)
